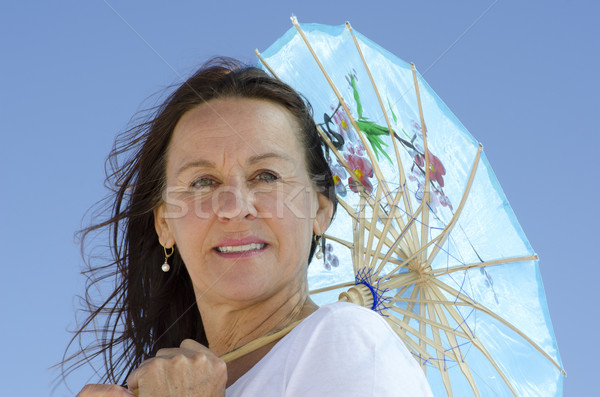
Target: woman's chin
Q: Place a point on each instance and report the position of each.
(246, 294)
(242, 284)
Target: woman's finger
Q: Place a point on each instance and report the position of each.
(192, 368)
(191, 344)
(104, 391)
(168, 352)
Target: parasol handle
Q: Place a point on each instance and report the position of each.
(360, 295)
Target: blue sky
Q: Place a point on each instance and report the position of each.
(521, 76)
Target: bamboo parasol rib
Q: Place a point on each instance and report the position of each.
(370, 154)
(401, 175)
(427, 190)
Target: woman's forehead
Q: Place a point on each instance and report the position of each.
(232, 117)
(239, 126)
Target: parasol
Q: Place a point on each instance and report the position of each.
(433, 244)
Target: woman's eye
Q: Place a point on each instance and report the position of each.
(267, 176)
(202, 182)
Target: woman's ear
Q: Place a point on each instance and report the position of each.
(161, 225)
(324, 214)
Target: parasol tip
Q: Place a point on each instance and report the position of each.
(294, 20)
(348, 26)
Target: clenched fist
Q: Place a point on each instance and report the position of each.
(190, 370)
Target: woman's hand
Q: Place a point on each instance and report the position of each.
(104, 391)
(190, 370)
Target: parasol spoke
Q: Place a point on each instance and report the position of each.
(444, 355)
(324, 136)
(388, 254)
(372, 159)
(440, 302)
(358, 253)
(338, 240)
(423, 336)
(262, 60)
(368, 249)
(427, 187)
(404, 324)
(401, 291)
(401, 177)
(442, 272)
(415, 253)
(342, 160)
(481, 308)
(386, 228)
(332, 287)
(411, 305)
(402, 250)
(373, 204)
(406, 262)
(433, 323)
(423, 356)
(460, 321)
(422, 325)
(440, 354)
(451, 336)
(446, 232)
(401, 174)
(348, 245)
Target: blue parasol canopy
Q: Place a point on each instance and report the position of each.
(426, 236)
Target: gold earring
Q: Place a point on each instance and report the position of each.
(165, 267)
(319, 253)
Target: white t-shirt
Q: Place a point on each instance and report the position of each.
(339, 350)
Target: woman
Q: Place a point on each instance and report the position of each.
(217, 213)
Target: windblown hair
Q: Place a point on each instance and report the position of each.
(148, 309)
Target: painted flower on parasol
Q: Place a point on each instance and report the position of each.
(361, 168)
(427, 237)
(436, 168)
(339, 174)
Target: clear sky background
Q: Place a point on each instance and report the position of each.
(522, 77)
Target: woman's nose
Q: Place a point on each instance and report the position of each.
(233, 202)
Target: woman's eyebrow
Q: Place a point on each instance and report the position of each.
(195, 164)
(252, 160)
(269, 155)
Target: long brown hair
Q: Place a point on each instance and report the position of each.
(148, 309)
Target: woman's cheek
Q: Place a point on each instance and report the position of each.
(268, 204)
(298, 202)
(203, 208)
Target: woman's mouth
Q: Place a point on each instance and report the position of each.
(240, 248)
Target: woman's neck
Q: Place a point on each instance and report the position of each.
(229, 328)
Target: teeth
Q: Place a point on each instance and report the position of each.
(241, 248)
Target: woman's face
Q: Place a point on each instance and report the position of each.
(239, 204)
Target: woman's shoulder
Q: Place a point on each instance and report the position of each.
(341, 310)
(342, 331)
(339, 350)
(349, 350)
(348, 318)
